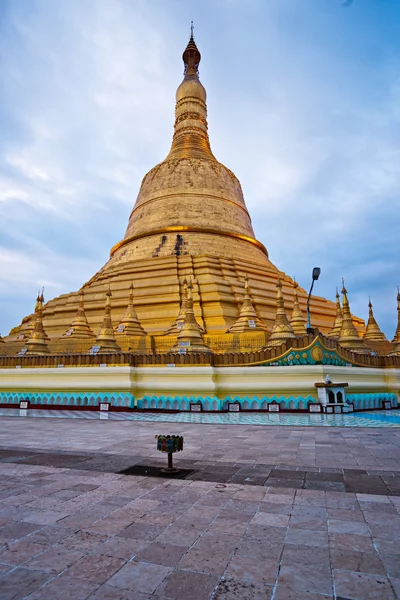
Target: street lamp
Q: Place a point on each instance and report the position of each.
(316, 272)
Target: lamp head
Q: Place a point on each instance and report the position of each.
(316, 272)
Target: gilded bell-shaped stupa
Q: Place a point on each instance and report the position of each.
(337, 326)
(348, 336)
(281, 329)
(190, 337)
(247, 319)
(297, 320)
(373, 332)
(105, 338)
(129, 325)
(396, 339)
(190, 220)
(37, 342)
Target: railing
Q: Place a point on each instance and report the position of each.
(154, 353)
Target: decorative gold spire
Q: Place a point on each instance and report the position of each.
(129, 324)
(373, 333)
(247, 319)
(337, 326)
(80, 328)
(177, 324)
(190, 336)
(190, 131)
(396, 339)
(297, 321)
(348, 336)
(1, 340)
(37, 342)
(105, 338)
(281, 329)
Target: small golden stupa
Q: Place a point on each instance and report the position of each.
(106, 338)
(129, 324)
(337, 326)
(396, 339)
(37, 342)
(247, 319)
(373, 332)
(348, 336)
(297, 320)
(190, 337)
(281, 329)
(80, 328)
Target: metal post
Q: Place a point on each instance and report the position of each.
(170, 460)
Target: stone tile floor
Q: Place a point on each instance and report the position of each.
(82, 533)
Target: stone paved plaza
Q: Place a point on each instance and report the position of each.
(264, 515)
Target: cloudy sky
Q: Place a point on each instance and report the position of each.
(304, 107)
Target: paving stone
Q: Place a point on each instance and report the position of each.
(181, 585)
(54, 560)
(162, 554)
(139, 577)
(252, 569)
(120, 547)
(95, 568)
(359, 586)
(19, 552)
(21, 582)
(64, 587)
(357, 561)
(233, 589)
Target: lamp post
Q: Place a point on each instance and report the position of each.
(316, 272)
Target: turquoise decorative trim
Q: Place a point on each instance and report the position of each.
(178, 402)
(215, 404)
(309, 356)
(285, 402)
(365, 401)
(79, 398)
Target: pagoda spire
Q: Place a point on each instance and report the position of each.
(281, 329)
(105, 338)
(37, 342)
(129, 324)
(297, 320)
(190, 335)
(337, 326)
(247, 319)
(80, 328)
(373, 332)
(348, 337)
(396, 339)
(190, 130)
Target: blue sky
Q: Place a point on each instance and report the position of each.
(304, 107)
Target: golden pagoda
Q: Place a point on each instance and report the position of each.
(129, 324)
(348, 336)
(105, 338)
(297, 320)
(247, 319)
(190, 337)
(281, 329)
(37, 342)
(337, 326)
(190, 219)
(373, 332)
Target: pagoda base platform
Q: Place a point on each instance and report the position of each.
(200, 388)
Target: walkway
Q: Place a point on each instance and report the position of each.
(72, 527)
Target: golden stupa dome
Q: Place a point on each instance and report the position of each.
(190, 203)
